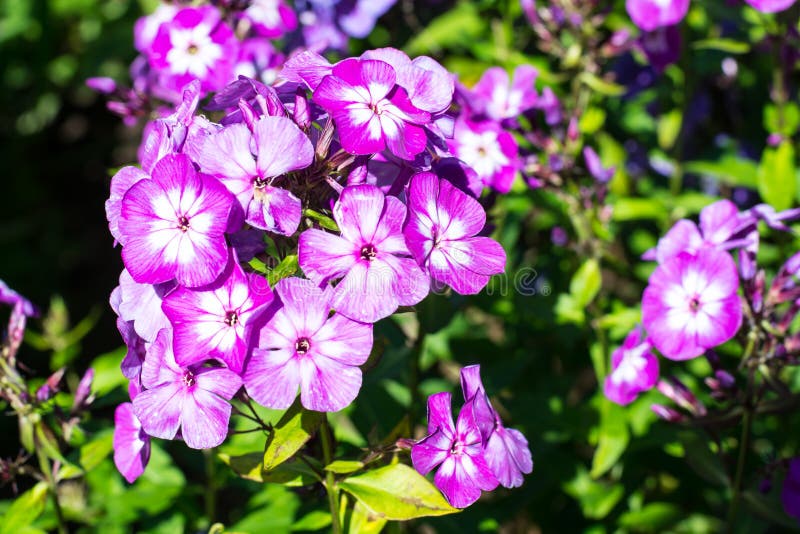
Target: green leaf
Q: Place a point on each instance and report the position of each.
(768, 508)
(397, 492)
(592, 120)
(106, 372)
(653, 517)
(97, 450)
(323, 220)
(600, 85)
(568, 310)
(358, 519)
(25, 509)
(782, 120)
(439, 32)
(631, 209)
(669, 126)
(613, 438)
(314, 520)
(777, 183)
(700, 458)
(292, 473)
(287, 267)
(343, 467)
(585, 283)
(293, 430)
(597, 499)
(730, 169)
(722, 45)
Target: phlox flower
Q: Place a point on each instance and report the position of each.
(488, 149)
(370, 256)
(173, 225)
(505, 449)
(216, 320)
(662, 46)
(770, 6)
(634, 369)
(301, 346)
(131, 443)
(691, 303)
(195, 43)
(271, 18)
(141, 305)
(651, 14)
(193, 399)
(248, 163)
(441, 234)
(499, 97)
(719, 222)
(457, 449)
(370, 110)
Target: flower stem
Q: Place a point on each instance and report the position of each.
(744, 444)
(210, 497)
(47, 471)
(330, 483)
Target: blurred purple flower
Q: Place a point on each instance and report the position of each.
(634, 369)
(651, 14)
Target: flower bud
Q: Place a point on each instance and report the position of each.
(667, 414)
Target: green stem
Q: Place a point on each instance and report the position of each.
(744, 444)
(47, 471)
(211, 489)
(413, 376)
(330, 482)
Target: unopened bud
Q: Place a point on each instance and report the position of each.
(667, 414)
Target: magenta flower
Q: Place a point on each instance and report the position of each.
(370, 110)
(651, 14)
(248, 163)
(488, 149)
(123, 180)
(499, 98)
(141, 305)
(457, 450)
(193, 399)
(271, 18)
(634, 369)
(215, 321)
(505, 449)
(719, 222)
(371, 256)
(173, 225)
(770, 6)
(662, 46)
(691, 304)
(131, 443)
(440, 233)
(302, 346)
(195, 44)
(595, 166)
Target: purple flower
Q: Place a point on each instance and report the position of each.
(440, 233)
(595, 166)
(141, 305)
(634, 369)
(302, 346)
(718, 223)
(488, 149)
(691, 303)
(121, 182)
(370, 256)
(505, 449)
(790, 494)
(662, 46)
(370, 110)
(195, 44)
(193, 399)
(457, 450)
(500, 98)
(173, 225)
(14, 299)
(770, 6)
(651, 14)
(131, 443)
(271, 18)
(248, 162)
(215, 321)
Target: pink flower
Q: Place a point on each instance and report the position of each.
(196, 43)
(215, 321)
(131, 443)
(457, 450)
(651, 14)
(249, 164)
(488, 149)
(193, 399)
(691, 304)
(634, 369)
(440, 233)
(303, 347)
(770, 6)
(371, 257)
(271, 18)
(499, 98)
(505, 449)
(173, 225)
(370, 110)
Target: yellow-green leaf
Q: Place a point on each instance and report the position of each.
(25, 509)
(344, 467)
(293, 430)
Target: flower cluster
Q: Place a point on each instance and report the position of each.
(693, 304)
(340, 172)
(477, 452)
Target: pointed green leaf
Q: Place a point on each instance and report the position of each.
(314, 520)
(397, 492)
(613, 439)
(722, 45)
(585, 283)
(293, 430)
(323, 220)
(777, 182)
(343, 467)
(24, 510)
(287, 267)
(602, 86)
(292, 473)
(358, 519)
